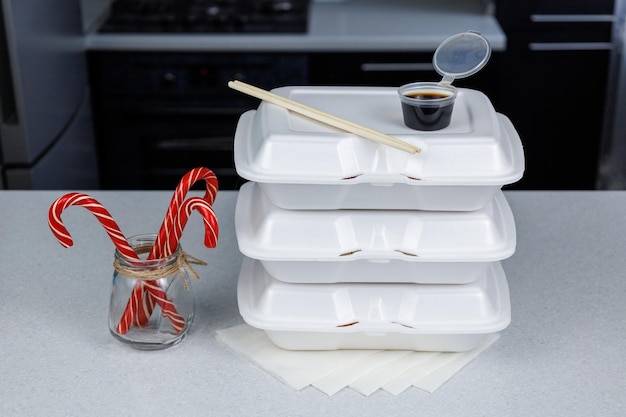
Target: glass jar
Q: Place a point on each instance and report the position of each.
(152, 304)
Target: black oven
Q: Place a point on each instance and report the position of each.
(159, 114)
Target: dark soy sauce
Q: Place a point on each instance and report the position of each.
(427, 116)
(427, 95)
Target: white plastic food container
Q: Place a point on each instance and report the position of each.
(374, 316)
(303, 164)
(325, 246)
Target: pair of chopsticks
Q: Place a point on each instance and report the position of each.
(322, 117)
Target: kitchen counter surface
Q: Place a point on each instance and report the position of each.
(364, 25)
(563, 353)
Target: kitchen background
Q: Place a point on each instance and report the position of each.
(130, 94)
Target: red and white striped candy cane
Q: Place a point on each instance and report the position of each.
(98, 210)
(159, 248)
(120, 242)
(142, 301)
(211, 229)
(141, 305)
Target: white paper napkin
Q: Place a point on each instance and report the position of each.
(437, 378)
(353, 371)
(297, 369)
(364, 371)
(415, 373)
(374, 380)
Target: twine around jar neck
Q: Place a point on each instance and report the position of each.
(152, 272)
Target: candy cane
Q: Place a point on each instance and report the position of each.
(120, 242)
(140, 305)
(98, 210)
(160, 247)
(211, 229)
(141, 302)
(185, 184)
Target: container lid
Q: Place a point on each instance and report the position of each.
(480, 307)
(269, 233)
(479, 147)
(461, 55)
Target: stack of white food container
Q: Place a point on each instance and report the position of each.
(352, 244)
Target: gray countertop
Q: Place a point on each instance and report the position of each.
(563, 353)
(363, 25)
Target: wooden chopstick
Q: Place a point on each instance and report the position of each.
(322, 116)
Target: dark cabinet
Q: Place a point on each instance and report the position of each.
(553, 80)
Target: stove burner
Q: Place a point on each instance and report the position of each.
(230, 16)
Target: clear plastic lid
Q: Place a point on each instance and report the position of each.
(461, 55)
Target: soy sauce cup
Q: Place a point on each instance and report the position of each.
(427, 105)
